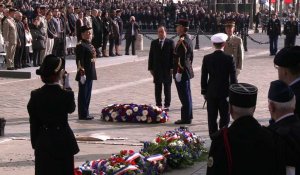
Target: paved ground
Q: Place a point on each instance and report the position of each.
(122, 80)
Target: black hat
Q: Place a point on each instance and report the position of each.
(12, 10)
(183, 22)
(50, 66)
(288, 57)
(280, 92)
(242, 95)
(84, 28)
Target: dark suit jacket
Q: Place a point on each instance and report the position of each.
(161, 60)
(252, 150)
(274, 28)
(218, 72)
(48, 110)
(136, 29)
(21, 33)
(51, 30)
(288, 129)
(296, 89)
(79, 23)
(84, 59)
(97, 31)
(72, 22)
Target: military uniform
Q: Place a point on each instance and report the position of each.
(85, 59)
(273, 30)
(183, 68)
(290, 31)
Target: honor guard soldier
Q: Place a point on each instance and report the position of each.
(273, 30)
(234, 46)
(245, 148)
(218, 72)
(86, 72)
(183, 71)
(290, 31)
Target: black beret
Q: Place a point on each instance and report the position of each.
(280, 92)
(242, 95)
(84, 28)
(183, 22)
(50, 66)
(288, 57)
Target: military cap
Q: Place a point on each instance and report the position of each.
(280, 92)
(43, 6)
(219, 38)
(183, 22)
(84, 28)
(242, 95)
(50, 66)
(118, 10)
(288, 57)
(2, 5)
(12, 10)
(230, 23)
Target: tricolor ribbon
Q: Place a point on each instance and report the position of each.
(133, 157)
(155, 157)
(125, 169)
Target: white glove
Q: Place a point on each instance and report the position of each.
(238, 71)
(67, 81)
(82, 79)
(178, 77)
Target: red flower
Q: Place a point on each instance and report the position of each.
(123, 152)
(158, 140)
(131, 152)
(120, 160)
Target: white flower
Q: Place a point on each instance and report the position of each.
(158, 118)
(123, 118)
(145, 112)
(114, 115)
(114, 120)
(144, 118)
(107, 118)
(136, 109)
(149, 120)
(172, 144)
(111, 111)
(129, 112)
(138, 118)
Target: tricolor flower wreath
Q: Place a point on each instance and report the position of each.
(174, 149)
(134, 113)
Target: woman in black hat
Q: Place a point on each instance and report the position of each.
(52, 139)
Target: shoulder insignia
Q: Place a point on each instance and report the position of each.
(210, 162)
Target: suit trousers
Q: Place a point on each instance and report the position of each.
(111, 46)
(84, 98)
(44, 52)
(18, 56)
(185, 96)
(49, 46)
(105, 40)
(158, 93)
(10, 55)
(130, 41)
(36, 57)
(273, 44)
(215, 105)
(289, 41)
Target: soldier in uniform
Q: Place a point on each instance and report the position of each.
(245, 147)
(234, 46)
(273, 30)
(183, 71)
(86, 72)
(218, 72)
(290, 31)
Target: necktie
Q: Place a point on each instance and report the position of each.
(160, 44)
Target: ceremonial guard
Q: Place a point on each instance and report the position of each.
(218, 72)
(245, 148)
(234, 46)
(51, 137)
(183, 71)
(86, 72)
(273, 30)
(291, 30)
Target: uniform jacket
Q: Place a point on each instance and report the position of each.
(234, 47)
(291, 28)
(97, 31)
(161, 60)
(218, 72)
(274, 28)
(289, 130)
(120, 24)
(252, 150)
(48, 110)
(296, 89)
(183, 58)
(136, 29)
(85, 59)
(10, 31)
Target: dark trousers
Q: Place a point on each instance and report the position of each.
(130, 41)
(18, 56)
(105, 40)
(58, 47)
(36, 57)
(215, 106)
(273, 44)
(111, 46)
(158, 93)
(84, 98)
(185, 96)
(290, 41)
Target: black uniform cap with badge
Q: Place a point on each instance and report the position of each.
(51, 66)
(280, 92)
(230, 23)
(243, 95)
(288, 57)
(183, 22)
(84, 29)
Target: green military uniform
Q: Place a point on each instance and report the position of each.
(234, 47)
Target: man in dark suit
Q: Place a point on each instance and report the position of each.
(245, 142)
(273, 31)
(20, 49)
(286, 126)
(120, 24)
(160, 65)
(97, 31)
(85, 60)
(218, 72)
(287, 63)
(183, 71)
(131, 34)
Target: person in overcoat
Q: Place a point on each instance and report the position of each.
(51, 137)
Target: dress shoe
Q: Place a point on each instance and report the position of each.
(87, 118)
(118, 54)
(11, 68)
(178, 122)
(167, 108)
(112, 55)
(126, 53)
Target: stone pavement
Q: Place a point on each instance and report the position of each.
(121, 80)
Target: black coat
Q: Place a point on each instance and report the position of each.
(72, 22)
(274, 28)
(85, 58)
(252, 150)
(288, 129)
(136, 29)
(291, 28)
(38, 38)
(51, 30)
(97, 31)
(296, 89)
(161, 60)
(183, 58)
(21, 33)
(50, 133)
(218, 72)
